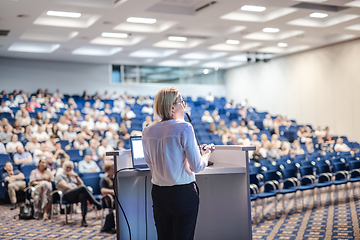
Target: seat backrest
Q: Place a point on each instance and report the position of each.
(306, 170)
(289, 173)
(93, 182)
(271, 175)
(339, 166)
(354, 165)
(26, 169)
(323, 168)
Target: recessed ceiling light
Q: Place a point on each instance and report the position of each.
(64, 14)
(178, 39)
(271, 30)
(141, 20)
(319, 15)
(282, 44)
(253, 8)
(234, 42)
(206, 71)
(114, 35)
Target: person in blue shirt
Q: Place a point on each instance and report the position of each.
(16, 182)
(22, 157)
(87, 165)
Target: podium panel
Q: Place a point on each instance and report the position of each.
(224, 210)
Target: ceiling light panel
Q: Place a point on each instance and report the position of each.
(282, 45)
(129, 41)
(253, 8)
(271, 30)
(114, 35)
(141, 20)
(269, 15)
(228, 47)
(177, 39)
(96, 51)
(203, 55)
(63, 14)
(234, 42)
(323, 23)
(353, 4)
(33, 47)
(178, 63)
(318, 15)
(152, 53)
(189, 43)
(84, 21)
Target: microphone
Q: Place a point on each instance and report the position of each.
(197, 140)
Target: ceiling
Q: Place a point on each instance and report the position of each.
(206, 25)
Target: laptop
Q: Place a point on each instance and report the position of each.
(137, 154)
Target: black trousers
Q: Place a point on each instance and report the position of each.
(80, 194)
(175, 211)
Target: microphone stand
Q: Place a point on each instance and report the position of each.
(197, 140)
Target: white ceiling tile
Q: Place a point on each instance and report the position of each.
(85, 21)
(132, 40)
(96, 51)
(52, 35)
(152, 53)
(33, 47)
(203, 55)
(178, 63)
(240, 47)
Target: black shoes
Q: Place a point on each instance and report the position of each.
(84, 223)
(13, 206)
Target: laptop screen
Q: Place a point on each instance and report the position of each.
(137, 152)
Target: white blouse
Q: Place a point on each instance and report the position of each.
(171, 153)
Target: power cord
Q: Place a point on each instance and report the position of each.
(117, 199)
(146, 225)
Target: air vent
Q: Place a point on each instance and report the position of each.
(4, 33)
(205, 6)
(320, 7)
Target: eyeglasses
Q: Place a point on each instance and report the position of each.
(182, 102)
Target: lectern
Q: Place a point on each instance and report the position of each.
(224, 210)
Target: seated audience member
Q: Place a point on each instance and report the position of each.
(319, 132)
(284, 149)
(92, 150)
(62, 125)
(71, 102)
(221, 127)
(32, 145)
(33, 126)
(340, 146)
(252, 128)
(121, 145)
(234, 129)
(328, 140)
(275, 140)
(103, 148)
(105, 96)
(74, 190)
(130, 100)
(264, 148)
(11, 103)
(98, 104)
(87, 108)
(268, 123)
(140, 100)
(296, 148)
(231, 139)
(41, 135)
(4, 108)
(16, 182)
(244, 140)
(147, 109)
(230, 104)
(60, 153)
(127, 115)
(243, 128)
(70, 134)
(207, 117)
(50, 144)
(34, 103)
(309, 145)
(254, 141)
(49, 113)
(215, 115)
(80, 142)
(209, 97)
(114, 96)
(100, 124)
(41, 153)
(116, 108)
(86, 133)
(212, 128)
(148, 121)
(107, 109)
(88, 122)
(13, 144)
(148, 100)
(78, 117)
(256, 156)
(124, 134)
(27, 134)
(87, 165)
(273, 152)
(52, 165)
(17, 128)
(24, 119)
(59, 103)
(22, 157)
(40, 179)
(3, 135)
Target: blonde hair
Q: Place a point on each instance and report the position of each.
(163, 102)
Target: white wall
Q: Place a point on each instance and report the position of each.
(74, 78)
(319, 87)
